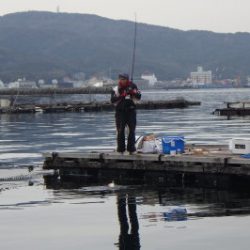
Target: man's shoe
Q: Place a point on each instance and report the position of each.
(132, 153)
(120, 153)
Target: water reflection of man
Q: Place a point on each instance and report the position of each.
(128, 240)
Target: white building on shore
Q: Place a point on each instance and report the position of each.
(100, 82)
(201, 77)
(1, 85)
(150, 77)
(22, 83)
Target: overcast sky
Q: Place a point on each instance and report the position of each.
(214, 15)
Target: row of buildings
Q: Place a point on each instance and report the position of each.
(199, 78)
(147, 80)
(203, 79)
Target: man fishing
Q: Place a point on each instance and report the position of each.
(124, 98)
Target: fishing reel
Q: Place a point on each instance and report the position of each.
(129, 90)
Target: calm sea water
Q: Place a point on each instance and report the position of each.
(34, 215)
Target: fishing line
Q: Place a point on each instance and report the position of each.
(134, 50)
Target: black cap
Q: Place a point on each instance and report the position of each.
(124, 75)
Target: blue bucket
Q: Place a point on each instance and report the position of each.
(173, 143)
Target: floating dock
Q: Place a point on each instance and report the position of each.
(96, 106)
(234, 109)
(53, 91)
(212, 165)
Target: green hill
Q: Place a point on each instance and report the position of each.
(47, 45)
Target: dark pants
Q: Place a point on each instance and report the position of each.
(123, 119)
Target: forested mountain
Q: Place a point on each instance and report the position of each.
(47, 45)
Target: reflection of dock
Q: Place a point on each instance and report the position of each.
(212, 202)
(216, 166)
(141, 207)
(234, 109)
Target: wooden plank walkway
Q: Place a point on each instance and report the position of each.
(241, 108)
(53, 91)
(96, 106)
(211, 161)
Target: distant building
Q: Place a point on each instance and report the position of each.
(98, 85)
(48, 86)
(150, 77)
(107, 82)
(41, 82)
(95, 82)
(67, 79)
(23, 83)
(201, 77)
(248, 81)
(65, 85)
(54, 81)
(77, 81)
(1, 84)
(4, 102)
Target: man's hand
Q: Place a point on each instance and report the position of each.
(132, 91)
(124, 94)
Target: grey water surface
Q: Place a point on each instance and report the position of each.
(35, 215)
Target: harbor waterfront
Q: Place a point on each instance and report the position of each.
(38, 212)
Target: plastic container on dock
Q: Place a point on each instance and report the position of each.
(240, 145)
(173, 145)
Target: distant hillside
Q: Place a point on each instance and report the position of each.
(48, 45)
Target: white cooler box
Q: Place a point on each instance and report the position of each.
(240, 146)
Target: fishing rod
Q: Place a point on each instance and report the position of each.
(134, 50)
